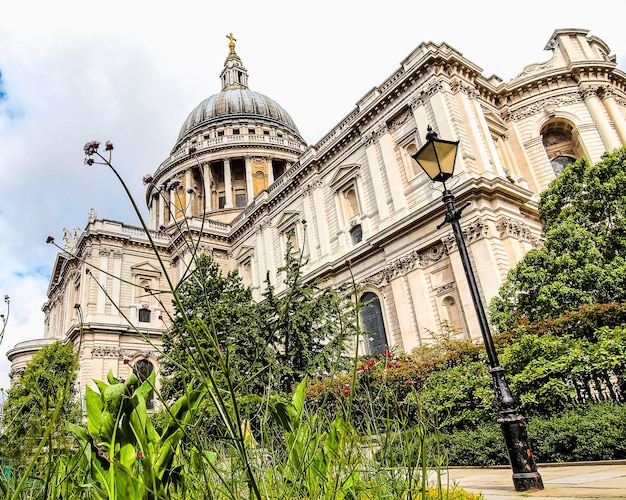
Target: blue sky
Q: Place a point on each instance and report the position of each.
(130, 72)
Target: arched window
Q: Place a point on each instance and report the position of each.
(561, 144)
(352, 205)
(374, 336)
(143, 369)
(453, 313)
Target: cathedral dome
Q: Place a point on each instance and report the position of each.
(237, 103)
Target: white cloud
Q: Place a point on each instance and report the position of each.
(129, 72)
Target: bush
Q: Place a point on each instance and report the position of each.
(582, 433)
(590, 432)
(481, 446)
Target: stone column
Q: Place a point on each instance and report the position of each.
(249, 186)
(161, 217)
(270, 172)
(116, 287)
(377, 178)
(268, 244)
(590, 95)
(188, 196)
(309, 217)
(608, 98)
(154, 212)
(321, 220)
(206, 179)
(391, 169)
(228, 186)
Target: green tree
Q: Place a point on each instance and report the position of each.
(224, 322)
(583, 260)
(308, 325)
(32, 401)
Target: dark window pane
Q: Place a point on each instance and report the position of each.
(373, 325)
(144, 315)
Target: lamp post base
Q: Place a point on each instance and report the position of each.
(525, 475)
(527, 481)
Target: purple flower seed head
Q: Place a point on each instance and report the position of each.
(91, 147)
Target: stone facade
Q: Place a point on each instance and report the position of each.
(241, 182)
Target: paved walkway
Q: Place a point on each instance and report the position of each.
(591, 480)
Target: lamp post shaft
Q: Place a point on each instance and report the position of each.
(513, 425)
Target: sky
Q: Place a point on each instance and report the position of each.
(130, 72)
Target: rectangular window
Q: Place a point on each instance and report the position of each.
(144, 315)
(240, 200)
(235, 131)
(356, 233)
(222, 201)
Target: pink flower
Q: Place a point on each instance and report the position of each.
(126, 361)
(89, 161)
(91, 147)
(408, 382)
(147, 179)
(192, 150)
(108, 146)
(49, 239)
(190, 190)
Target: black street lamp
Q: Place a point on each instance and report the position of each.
(437, 159)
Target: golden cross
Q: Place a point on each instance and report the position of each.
(231, 44)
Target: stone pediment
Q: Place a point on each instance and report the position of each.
(345, 173)
(287, 219)
(146, 268)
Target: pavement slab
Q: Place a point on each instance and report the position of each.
(592, 481)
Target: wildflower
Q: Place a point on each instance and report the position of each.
(346, 391)
(108, 146)
(190, 190)
(348, 262)
(100, 452)
(192, 150)
(126, 361)
(91, 147)
(147, 179)
(77, 306)
(139, 455)
(7, 299)
(87, 271)
(174, 184)
(386, 353)
(89, 161)
(408, 382)
(304, 222)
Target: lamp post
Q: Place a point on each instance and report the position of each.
(437, 158)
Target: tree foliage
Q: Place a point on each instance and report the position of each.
(269, 345)
(32, 400)
(583, 260)
(308, 325)
(223, 318)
